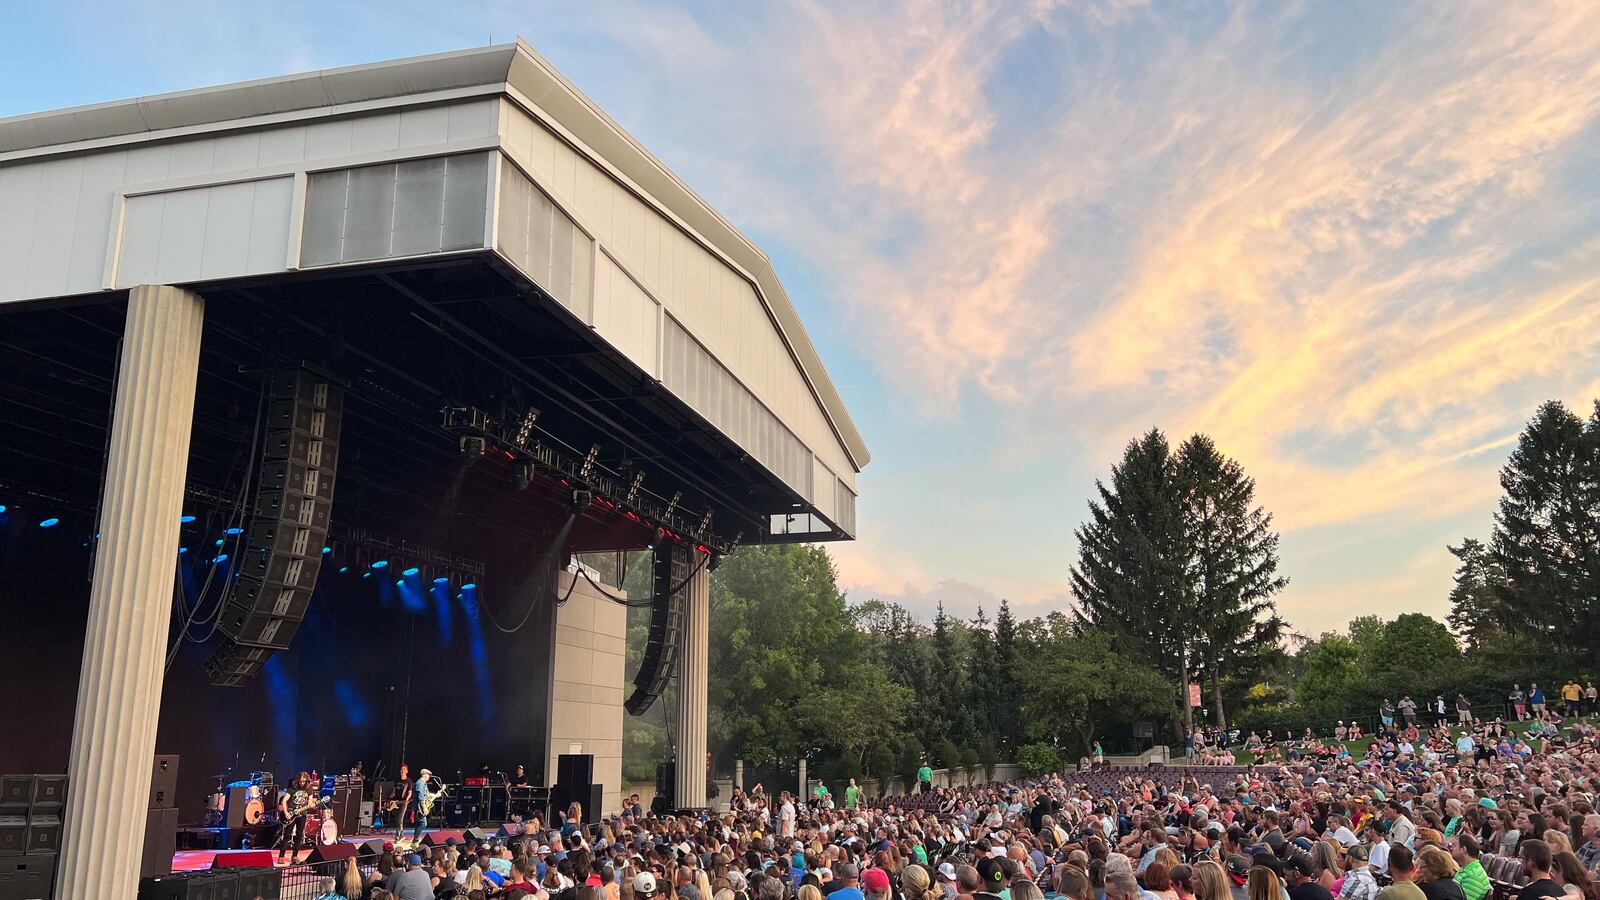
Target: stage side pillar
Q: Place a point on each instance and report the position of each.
(130, 600)
(693, 682)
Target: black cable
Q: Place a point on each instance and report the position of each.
(650, 601)
(527, 615)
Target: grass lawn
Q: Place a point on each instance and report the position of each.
(1358, 748)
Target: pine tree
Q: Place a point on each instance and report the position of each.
(1476, 613)
(1232, 566)
(1547, 531)
(980, 677)
(1130, 578)
(1005, 679)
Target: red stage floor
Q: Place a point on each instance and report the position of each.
(190, 860)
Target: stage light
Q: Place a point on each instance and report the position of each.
(343, 569)
(221, 558)
(380, 564)
(441, 581)
(411, 571)
(2, 507)
(327, 549)
(366, 574)
(183, 549)
(185, 519)
(469, 586)
(525, 427)
(234, 531)
(220, 542)
(50, 522)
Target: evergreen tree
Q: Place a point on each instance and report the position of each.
(1132, 569)
(1476, 614)
(1007, 734)
(980, 693)
(1547, 531)
(941, 713)
(1233, 566)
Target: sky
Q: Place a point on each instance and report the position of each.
(1355, 242)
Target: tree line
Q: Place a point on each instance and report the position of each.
(1174, 582)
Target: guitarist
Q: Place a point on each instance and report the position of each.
(293, 808)
(422, 799)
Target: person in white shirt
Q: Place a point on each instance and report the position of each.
(786, 816)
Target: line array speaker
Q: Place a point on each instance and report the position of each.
(673, 563)
(282, 552)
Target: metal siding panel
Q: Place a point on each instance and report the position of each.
(513, 230)
(542, 153)
(540, 213)
(561, 258)
(103, 173)
(466, 193)
(583, 276)
(650, 266)
(226, 250)
(236, 152)
(191, 158)
(322, 236)
(328, 140)
(54, 221)
(183, 233)
(372, 134)
(479, 118)
(282, 145)
(519, 132)
(418, 206)
(148, 163)
(19, 198)
(369, 213)
(269, 225)
(564, 171)
(141, 240)
(424, 127)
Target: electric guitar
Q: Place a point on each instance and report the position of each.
(426, 801)
(297, 812)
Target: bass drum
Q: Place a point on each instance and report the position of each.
(330, 831)
(253, 792)
(254, 812)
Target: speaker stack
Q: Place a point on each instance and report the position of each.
(575, 784)
(282, 550)
(674, 564)
(215, 884)
(161, 823)
(30, 833)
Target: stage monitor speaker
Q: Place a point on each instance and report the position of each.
(13, 835)
(575, 768)
(234, 859)
(438, 838)
(369, 851)
(674, 564)
(281, 554)
(160, 842)
(164, 781)
(178, 886)
(334, 852)
(260, 884)
(16, 794)
(478, 834)
(224, 884)
(44, 833)
(30, 877)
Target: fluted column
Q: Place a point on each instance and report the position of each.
(693, 681)
(130, 600)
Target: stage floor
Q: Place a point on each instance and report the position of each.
(191, 860)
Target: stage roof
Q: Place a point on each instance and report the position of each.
(237, 183)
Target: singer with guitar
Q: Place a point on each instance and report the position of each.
(422, 800)
(293, 808)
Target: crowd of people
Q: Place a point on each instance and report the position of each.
(1434, 814)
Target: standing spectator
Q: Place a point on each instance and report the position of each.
(1536, 699)
(1589, 851)
(1519, 702)
(1571, 694)
(925, 778)
(1439, 716)
(1402, 868)
(1591, 700)
(1464, 709)
(1408, 710)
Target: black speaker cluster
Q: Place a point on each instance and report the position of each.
(215, 884)
(282, 550)
(674, 564)
(30, 834)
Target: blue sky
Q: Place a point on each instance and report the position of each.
(1356, 242)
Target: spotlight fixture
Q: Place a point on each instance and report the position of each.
(50, 522)
(473, 447)
(633, 489)
(588, 462)
(525, 427)
(672, 506)
(522, 475)
(581, 501)
(705, 525)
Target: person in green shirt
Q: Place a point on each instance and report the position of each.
(820, 792)
(924, 778)
(852, 795)
(1474, 881)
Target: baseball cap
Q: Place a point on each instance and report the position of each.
(1300, 864)
(875, 879)
(413, 860)
(1239, 867)
(644, 884)
(991, 870)
(947, 871)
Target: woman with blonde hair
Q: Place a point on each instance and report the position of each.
(1263, 884)
(474, 884)
(1210, 881)
(917, 884)
(1325, 862)
(809, 892)
(351, 886)
(1436, 872)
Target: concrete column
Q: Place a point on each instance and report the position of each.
(693, 681)
(805, 789)
(130, 600)
(738, 774)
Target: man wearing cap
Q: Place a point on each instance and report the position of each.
(412, 883)
(875, 884)
(1359, 882)
(1301, 884)
(1238, 868)
(846, 883)
(947, 880)
(644, 885)
(996, 878)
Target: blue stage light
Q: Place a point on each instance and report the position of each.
(327, 549)
(2, 507)
(469, 586)
(380, 564)
(411, 571)
(50, 522)
(221, 558)
(183, 549)
(441, 581)
(219, 542)
(343, 569)
(234, 531)
(186, 519)
(366, 574)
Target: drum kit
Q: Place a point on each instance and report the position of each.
(254, 792)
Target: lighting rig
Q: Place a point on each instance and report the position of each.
(531, 456)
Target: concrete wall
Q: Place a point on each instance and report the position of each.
(900, 785)
(587, 684)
